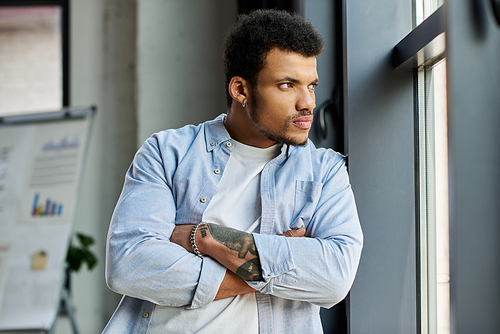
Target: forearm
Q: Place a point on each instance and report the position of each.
(232, 248)
(143, 263)
(232, 286)
(136, 269)
(319, 271)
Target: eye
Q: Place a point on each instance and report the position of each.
(312, 86)
(285, 85)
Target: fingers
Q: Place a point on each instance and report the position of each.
(296, 233)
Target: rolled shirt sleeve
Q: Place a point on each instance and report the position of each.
(141, 262)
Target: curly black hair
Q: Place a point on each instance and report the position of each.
(250, 39)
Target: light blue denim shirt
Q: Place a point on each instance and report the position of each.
(171, 181)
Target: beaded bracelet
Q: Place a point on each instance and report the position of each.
(193, 240)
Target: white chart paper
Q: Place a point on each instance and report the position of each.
(40, 166)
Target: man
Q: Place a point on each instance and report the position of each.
(238, 225)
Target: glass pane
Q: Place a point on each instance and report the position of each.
(442, 219)
(424, 8)
(30, 59)
(434, 222)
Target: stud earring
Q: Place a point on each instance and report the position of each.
(244, 104)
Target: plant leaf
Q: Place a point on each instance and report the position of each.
(90, 259)
(85, 240)
(74, 258)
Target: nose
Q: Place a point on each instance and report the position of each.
(306, 101)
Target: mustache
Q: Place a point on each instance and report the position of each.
(301, 114)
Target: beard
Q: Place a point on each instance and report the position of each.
(278, 137)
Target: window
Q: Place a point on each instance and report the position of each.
(33, 56)
(434, 286)
(424, 8)
(433, 177)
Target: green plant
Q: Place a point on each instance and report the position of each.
(81, 253)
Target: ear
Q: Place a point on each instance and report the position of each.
(239, 89)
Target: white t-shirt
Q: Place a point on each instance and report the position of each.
(236, 204)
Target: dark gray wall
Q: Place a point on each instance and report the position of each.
(320, 13)
(473, 49)
(379, 102)
(179, 62)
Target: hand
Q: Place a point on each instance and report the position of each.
(181, 236)
(295, 233)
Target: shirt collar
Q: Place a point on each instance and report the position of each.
(216, 133)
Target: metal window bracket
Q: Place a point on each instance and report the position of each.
(424, 43)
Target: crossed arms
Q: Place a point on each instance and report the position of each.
(232, 248)
(149, 255)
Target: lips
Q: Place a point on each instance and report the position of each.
(303, 122)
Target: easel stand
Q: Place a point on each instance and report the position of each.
(65, 309)
(66, 304)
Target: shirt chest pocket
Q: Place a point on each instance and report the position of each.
(307, 195)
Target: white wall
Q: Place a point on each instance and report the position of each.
(176, 80)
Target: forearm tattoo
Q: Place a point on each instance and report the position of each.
(240, 242)
(250, 270)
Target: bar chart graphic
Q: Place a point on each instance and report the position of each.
(63, 143)
(46, 208)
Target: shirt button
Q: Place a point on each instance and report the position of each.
(203, 200)
(145, 315)
(228, 144)
(270, 274)
(212, 143)
(217, 171)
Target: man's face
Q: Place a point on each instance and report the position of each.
(283, 100)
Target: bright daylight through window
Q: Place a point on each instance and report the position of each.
(30, 59)
(433, 175)
(433, 189)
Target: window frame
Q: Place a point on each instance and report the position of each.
(421, 49)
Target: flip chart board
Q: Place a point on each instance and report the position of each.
(41, 160)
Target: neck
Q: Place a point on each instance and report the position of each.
(241, 128)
